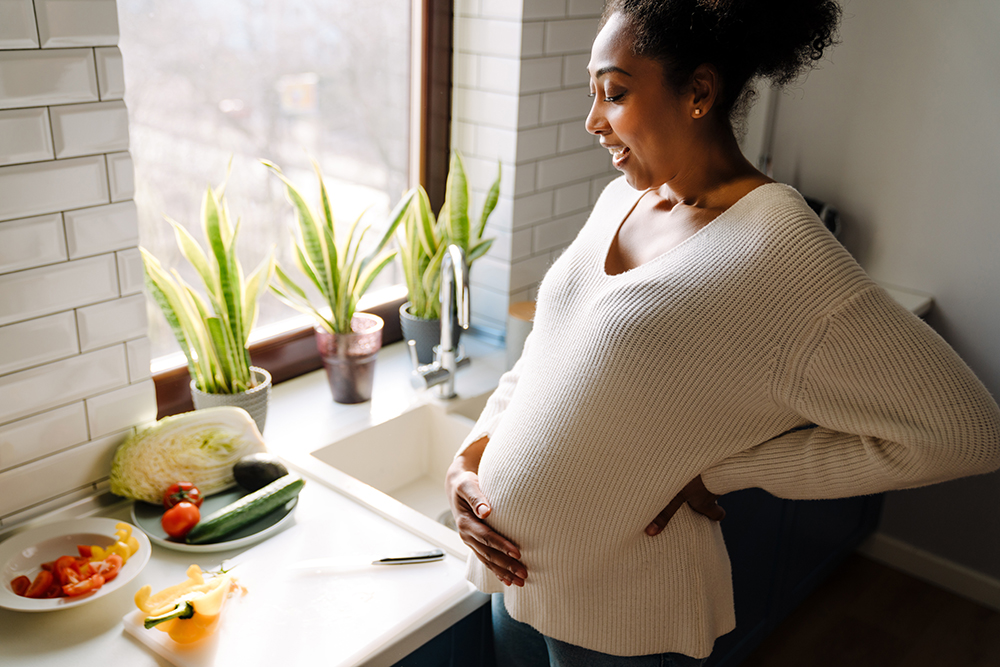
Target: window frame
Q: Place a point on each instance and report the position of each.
(293, 353)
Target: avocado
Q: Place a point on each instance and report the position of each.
(255, 471)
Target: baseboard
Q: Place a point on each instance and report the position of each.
(933, 569)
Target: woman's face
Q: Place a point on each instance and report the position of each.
(638, 118)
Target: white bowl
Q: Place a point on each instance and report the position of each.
(25, 552)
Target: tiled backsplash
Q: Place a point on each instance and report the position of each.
(521, 96)
(74, 357)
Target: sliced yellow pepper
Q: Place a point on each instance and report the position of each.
(206, 596)
(125, 544)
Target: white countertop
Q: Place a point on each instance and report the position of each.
(301, 419)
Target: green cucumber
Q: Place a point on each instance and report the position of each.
(246, 510)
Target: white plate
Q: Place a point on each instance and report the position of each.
(147, 517)
(25, 552)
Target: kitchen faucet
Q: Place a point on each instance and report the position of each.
(454, 299)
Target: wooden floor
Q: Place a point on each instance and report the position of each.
(870, 615)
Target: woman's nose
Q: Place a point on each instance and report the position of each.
(596, 123)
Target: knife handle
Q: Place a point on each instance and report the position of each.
(414, 557)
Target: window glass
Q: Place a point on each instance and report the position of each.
(207, 82)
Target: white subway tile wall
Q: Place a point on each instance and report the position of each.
(74, 356)
(25, 136)
(521, 97)
(17, 31)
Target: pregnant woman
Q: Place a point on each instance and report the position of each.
(704, 333)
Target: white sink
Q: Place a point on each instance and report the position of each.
(407, 456)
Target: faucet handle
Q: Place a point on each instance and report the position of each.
(411, 346)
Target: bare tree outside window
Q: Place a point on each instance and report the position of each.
(207, 82)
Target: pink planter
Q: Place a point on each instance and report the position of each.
(349, 359)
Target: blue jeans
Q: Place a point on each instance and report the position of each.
(518, 644)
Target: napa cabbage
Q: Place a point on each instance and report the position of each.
(200, 447)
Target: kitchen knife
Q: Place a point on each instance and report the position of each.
(413, 557)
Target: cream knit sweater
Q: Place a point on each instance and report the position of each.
(703, 360)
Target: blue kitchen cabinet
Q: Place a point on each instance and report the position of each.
(468, 643)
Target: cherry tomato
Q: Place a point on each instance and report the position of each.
(182, 492)
(40, 585)
(20, 584)
(92, 583)
(180, 519)
(85, 551)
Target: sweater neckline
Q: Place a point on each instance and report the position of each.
(725, 215)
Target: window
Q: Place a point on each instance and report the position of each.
(241, 80)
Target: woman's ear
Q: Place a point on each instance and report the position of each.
(704, 88)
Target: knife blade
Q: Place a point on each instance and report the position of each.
(412, 557)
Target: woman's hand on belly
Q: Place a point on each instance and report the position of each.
(470, 507)
(699, 498)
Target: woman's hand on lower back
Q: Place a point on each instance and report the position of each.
(699, 498)
(470, 509)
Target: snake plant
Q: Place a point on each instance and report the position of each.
(336, 268)
(212, 330)
(425, 238)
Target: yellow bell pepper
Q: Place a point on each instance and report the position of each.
(125, 545)
(190, 610)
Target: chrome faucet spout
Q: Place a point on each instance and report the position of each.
(455, 313)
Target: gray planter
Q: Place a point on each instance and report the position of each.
(254, 401)
(425, 333)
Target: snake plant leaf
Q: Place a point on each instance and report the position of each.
(346, 246)
(324, 199)
(491, 202)
(308, 270)
(313, 241)
(478, 250)
(158, 285)
(333, 275)
(224, 352)
(457, 195)
(426, 232)
(192, 251)
(302, 306)
(193, 309)
(368, 275)
(255, 286)
(219, 235)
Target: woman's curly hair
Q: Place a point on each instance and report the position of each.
(745, 40)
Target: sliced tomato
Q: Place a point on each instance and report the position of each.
(55, 591)
(107, 568)
(85, 551)
(49, 566)
(86, 586)
(67, 570)
(40, 585)
(20, 584)
(182, 492)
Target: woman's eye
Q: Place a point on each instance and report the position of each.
(613, 98)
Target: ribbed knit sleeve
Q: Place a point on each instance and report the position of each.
(894, 407)
(493, 411)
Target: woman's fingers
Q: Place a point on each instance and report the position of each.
(699, 498)
(469, 491)
(470, 507)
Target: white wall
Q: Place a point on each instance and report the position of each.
(521, 96)
(74, 357)
(900, 129)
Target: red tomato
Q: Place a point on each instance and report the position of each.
(85, 551)
(20, 584)
(67, 570)
(180, 519)
(107, 568)
(40, 585)
(182, 492)
(87, 585)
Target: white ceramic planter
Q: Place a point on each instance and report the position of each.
(253, 401)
